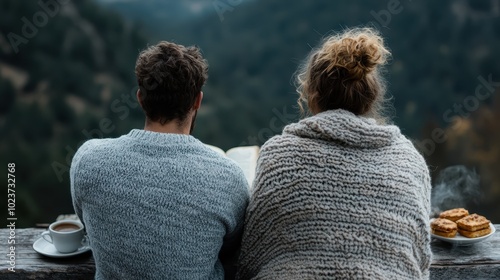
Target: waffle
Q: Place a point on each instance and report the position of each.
(454, 214)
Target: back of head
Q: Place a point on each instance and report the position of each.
(344, 73)
(170, 77)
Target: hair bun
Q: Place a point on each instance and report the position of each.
(358, 51)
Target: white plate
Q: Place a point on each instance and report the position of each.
(462, 240)
(46, 248)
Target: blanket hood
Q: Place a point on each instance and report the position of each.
(345, 128)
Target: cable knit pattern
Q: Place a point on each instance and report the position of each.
(337, 196)
(158, 206)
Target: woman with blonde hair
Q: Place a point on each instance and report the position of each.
(340, 194)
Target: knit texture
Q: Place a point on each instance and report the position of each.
(158, 206)
(338, 196)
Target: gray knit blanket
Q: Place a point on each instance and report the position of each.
(338, 196)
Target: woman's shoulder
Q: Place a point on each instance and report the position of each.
(281, 143)
(408, 146)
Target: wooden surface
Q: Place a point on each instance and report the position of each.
(478, 261)
(31, 265)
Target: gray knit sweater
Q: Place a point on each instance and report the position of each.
(338, 196)
(158, 206)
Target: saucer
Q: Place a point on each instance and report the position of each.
(46, 248)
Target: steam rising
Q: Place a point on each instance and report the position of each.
(456, 186)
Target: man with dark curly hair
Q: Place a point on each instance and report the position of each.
(157, 203)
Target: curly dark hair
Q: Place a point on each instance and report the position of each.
(170, 77)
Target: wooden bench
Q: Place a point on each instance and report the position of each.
(479, 261)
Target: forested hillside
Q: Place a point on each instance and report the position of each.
(56, 90)
(73, 79)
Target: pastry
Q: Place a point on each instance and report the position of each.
(444, 227)
(454, 214)
(474, 234)
(474, 226)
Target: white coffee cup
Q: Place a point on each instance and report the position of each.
(67, 236)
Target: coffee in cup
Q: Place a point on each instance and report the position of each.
(67, 236)
(66, 227)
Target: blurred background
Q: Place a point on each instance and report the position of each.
(67, 75)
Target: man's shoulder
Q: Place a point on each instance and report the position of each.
(217, 162)
(96, 147)
(218, 158)
(96, 144)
